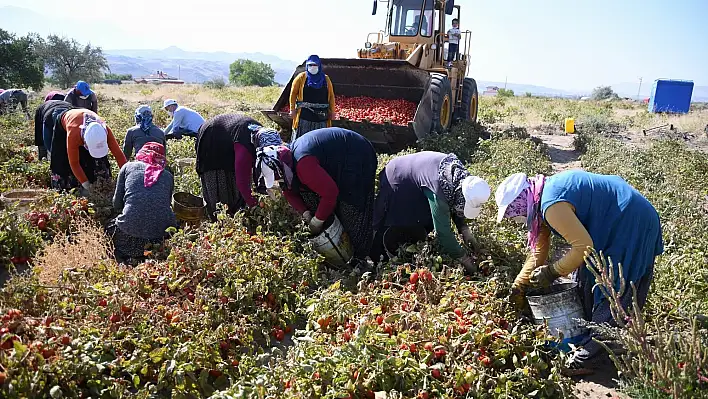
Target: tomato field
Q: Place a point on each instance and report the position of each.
(244, 308)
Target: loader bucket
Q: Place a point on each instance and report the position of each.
(387, 79)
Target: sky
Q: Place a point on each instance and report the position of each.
(565, 44)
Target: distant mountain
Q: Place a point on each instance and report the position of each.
(192, 67)
(520, 89)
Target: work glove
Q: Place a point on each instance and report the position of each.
(469, 238)
(85, 189)
(468, 263)
(316, 225)
(543, 276)
(307, 217)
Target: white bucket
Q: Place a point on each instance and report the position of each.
(334, 244)
(559, 308)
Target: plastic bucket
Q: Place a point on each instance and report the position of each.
(559, 306)
(334, 244)
(188, 208)
(21, 198)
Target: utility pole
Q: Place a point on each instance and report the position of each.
(506, 79)
(640, 88)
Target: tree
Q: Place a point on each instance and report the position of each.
(505, 93)
(217, 83)
(69, 61)
(603, 93)
(251, 73)
(20, 63)
(115, 76)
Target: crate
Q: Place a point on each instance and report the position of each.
(671, 96)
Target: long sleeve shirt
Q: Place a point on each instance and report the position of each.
(136, 138)
(312, 175)
(243, 168)
(562, 218)
(145, 212)
(443, 226)
(72, 121)
(186, 119)
(297, 93)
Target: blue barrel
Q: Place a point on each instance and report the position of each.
(671, 96)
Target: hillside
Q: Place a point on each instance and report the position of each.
(190, 66)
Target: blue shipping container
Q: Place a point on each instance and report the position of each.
(672, 96)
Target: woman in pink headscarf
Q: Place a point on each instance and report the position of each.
(143, 196)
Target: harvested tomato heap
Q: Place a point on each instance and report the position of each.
(375, 110)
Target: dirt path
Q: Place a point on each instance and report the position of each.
(561, 150)
(602, 384)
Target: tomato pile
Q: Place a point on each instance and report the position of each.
(375, 110)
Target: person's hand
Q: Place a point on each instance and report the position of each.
(316, 225)
(517, 298)
(85, 189)
(543, 276)
(469, 238)
(307, 217)
(468, 263)
(292, 113)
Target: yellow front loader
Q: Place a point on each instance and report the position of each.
(407, 61)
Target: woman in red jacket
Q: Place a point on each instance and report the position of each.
(226, 154)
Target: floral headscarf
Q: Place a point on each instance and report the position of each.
(278, 160)
(153, 154)
(264, 136)
(528, 204)
(143, 118)
(451, 174)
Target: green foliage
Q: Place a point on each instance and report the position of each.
(251, 73)
(603, 93)
(461, 141)
(505, 93)
(69, 61)
(21, 66)
(217, 83)
(18, 241)
(115, 76)
(528, 94)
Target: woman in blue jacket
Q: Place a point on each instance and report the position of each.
(589, 211)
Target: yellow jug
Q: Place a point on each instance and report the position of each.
(570, 125)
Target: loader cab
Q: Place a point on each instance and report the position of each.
(411, 18)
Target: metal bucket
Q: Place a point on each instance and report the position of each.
(188, 208)
(21, 198)
(558, 305)
(334, 244)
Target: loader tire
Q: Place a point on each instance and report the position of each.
(470, 101)
(442, 103)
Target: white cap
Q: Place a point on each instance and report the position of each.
(508, 190)
(476, 192)
(96, 139)
(169, 102)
